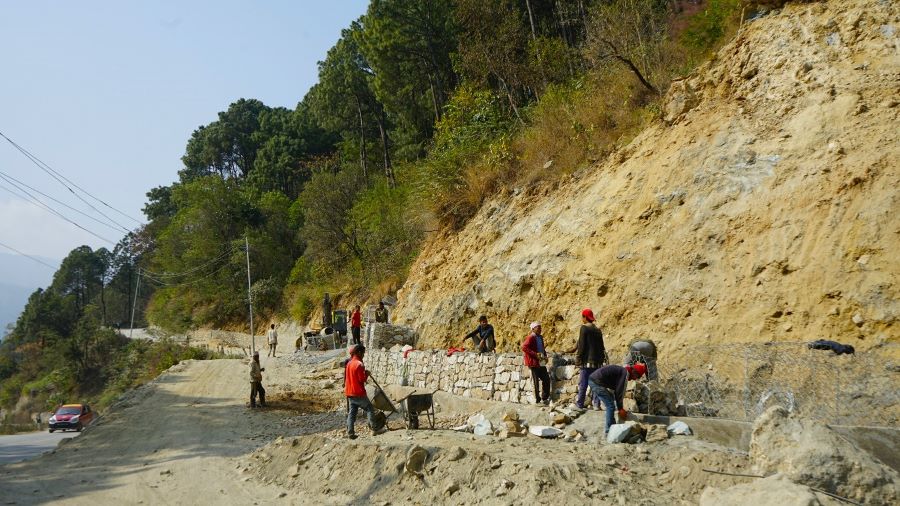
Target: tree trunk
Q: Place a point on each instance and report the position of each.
(363, 156)
(434, 99)
(385, 148)
(531, 19)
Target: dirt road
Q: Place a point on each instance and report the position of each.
(169, 442)
(19, 447)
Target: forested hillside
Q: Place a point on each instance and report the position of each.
(423, 110)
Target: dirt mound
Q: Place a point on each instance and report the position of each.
(462, 469)
(811, 453)
(764, 207)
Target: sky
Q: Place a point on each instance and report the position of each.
(107, 94)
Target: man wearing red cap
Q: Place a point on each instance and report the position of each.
(590, 355)
(608, 383)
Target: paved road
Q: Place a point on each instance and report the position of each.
(23, 446)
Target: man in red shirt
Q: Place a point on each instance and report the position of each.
(355, 376)
(355, 324)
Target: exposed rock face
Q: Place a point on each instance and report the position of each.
(810, 453)
(744, 218)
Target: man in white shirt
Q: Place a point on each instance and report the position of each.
(273, 340)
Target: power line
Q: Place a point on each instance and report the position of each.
(37, 201)
(64, 180)
(17, 183)
(38, 260)
(167, 284)
(193, 269)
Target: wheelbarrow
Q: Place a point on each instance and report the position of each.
(384, 408)
(415, 404)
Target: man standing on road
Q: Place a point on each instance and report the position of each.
(381, 314)
(534, 354)
(356, 324)
(355, 376)
(256, 382)
(483, 336)
(272, 337)
(608, 383)
(589, 355)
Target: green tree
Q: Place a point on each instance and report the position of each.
(227, 146)
(409, 45)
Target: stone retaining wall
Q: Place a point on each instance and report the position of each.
(500, 377)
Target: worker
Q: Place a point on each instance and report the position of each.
(535, 356)
(589, 355)
(256, 382)
(483, 336)
(608, 383)
(381, 314)
(355, 376)
(356, 324)
(272, 338)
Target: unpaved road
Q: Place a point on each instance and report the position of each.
(170, 443)
(19, 447)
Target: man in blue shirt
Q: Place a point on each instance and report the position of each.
(483, 336)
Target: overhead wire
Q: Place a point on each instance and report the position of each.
(166, 284)
(66, 182)
(38, 260)
(11, 180)
(39, 203)
(222, 255)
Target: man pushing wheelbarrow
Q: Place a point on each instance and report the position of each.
(355, 376)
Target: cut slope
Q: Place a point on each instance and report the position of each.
(763, 208)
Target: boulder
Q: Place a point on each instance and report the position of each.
(775, 489)
(679, 428)
(562, 418)
(545, 431)
(483, 428)
(657, 433)
(628, 432)
(810, 453)
(415, 460)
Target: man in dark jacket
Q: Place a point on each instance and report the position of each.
(534, 353)
(483, 336)
(589, 355)
(608, 383)
(256, 382)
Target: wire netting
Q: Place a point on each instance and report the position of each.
(740, 381)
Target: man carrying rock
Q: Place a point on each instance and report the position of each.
(589, 355)
(483, 336)
(256, 382)
(608, 383)
(355, 376)
(534, 354)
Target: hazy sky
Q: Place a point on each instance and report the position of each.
(108, 93)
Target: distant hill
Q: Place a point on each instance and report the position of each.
(19, 277)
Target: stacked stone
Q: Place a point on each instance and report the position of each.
(500, 377)
(385, 336)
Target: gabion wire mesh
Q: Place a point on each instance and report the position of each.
(740, 381)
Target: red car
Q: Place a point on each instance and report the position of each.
(71, 416)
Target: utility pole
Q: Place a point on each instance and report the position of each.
(249, 295)
(134, 304)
